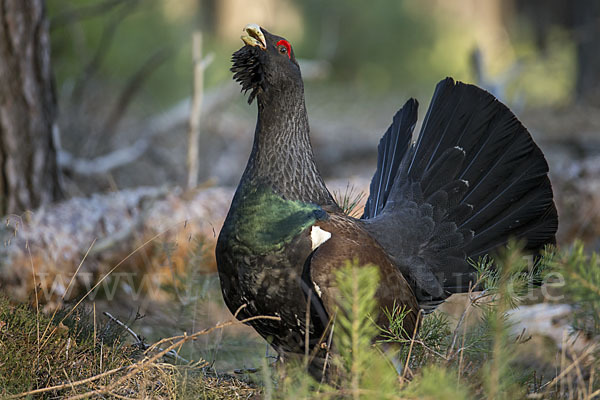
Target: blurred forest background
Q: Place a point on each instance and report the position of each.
(129, 82)
(121, 64)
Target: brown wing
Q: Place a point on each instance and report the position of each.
(349, 241)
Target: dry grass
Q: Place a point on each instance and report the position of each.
(81, 360)
(70, 354)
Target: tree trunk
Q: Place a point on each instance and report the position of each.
(587, 31)
(30, 176)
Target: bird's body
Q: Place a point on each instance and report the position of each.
(473, 180)
(268, 265)
(262, 250)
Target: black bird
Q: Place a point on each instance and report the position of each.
(473, 179)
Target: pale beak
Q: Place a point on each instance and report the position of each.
(254, 37)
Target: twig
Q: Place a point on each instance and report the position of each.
(307, 328)
(68, 379)
(570, 367)
(563, 360)
(593, 395)
(472, 301)
(462, 348)
(118, 396)
(329, 340)
(140, 365)
(429, 349)
(580, 380)
(66, 385)
(240, 308)
(105, 276)
(140, 340)
(412, 341)
(461, 351)
(67, 290)
(164, 340)
(591, 385)
(37, 305)
(321, 340)
(196, 109)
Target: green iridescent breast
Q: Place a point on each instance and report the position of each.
(264, 222)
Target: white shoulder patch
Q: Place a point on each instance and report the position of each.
(318, 236)
(317, 289)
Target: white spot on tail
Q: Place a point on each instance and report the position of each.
(318, 236)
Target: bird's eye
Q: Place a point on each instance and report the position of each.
(284, 47)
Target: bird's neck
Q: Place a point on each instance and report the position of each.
(282, 155)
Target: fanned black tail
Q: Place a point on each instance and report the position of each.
(392, 147)
(473, 180)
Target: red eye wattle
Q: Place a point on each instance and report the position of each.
(285, 47)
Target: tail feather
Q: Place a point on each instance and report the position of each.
(444, 169)
(498, 197)
(392, 147)
(532, 218)
(473, 180)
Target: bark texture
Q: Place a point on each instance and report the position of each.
(30, 176)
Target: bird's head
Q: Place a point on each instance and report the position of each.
(266, 63)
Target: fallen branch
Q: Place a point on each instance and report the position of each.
(167, 122)
(105, 163)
